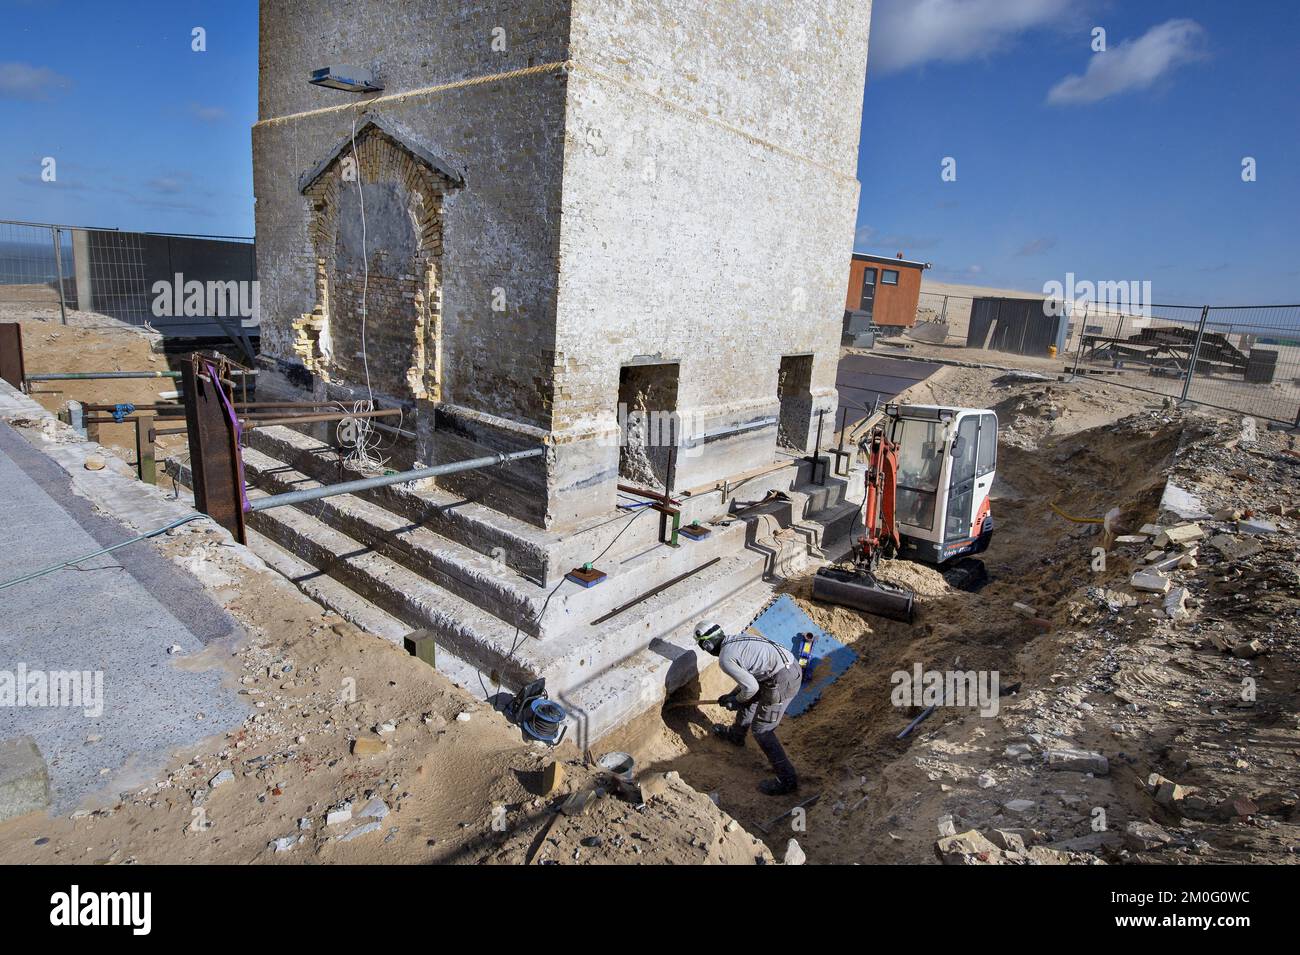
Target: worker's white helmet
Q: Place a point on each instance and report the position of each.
(709, 636)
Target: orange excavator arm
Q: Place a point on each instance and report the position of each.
(859, 586)
(878, 518)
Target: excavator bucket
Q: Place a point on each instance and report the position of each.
(863, 591)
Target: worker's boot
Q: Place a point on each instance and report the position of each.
(735, 735)
(787, 781)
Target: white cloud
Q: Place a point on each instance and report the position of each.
(207, 114)
(908, 33)
(1037, 246)
(24, 81)
(868, 238)
(1134, 64)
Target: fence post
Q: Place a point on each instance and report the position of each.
(58, 268)
(1196, 353)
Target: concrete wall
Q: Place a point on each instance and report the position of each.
(709, 205)
(681, 191)
(499, 231)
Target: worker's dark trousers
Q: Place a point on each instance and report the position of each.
(763, 714)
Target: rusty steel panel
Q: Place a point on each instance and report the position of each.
(214, 451)
(11, 354)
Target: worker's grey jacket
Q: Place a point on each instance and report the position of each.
(751, 660)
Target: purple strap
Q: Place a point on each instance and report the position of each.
(239, 432)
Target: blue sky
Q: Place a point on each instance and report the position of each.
(1130, 171)
(146, 132)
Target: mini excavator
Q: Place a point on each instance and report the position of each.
(929, 474)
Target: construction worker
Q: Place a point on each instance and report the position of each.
(767, 678)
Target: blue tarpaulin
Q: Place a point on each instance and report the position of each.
(782, 623)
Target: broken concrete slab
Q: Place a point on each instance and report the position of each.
(1256, 526)
(1176, 604)
(1179, 534)
(1145, 836)
(1182, 503)
(24, 778)
(1092, 842)
(1235, 548)
(1149, 581)
(967, 848)
(1006, 840)
(1077, 761)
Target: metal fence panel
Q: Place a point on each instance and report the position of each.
(118, 286)
(1243, 359)
(35, 265)
(116, 273)
(1249, 361)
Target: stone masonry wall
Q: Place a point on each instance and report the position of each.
(494, 113)
(709, 206)
(645, 181)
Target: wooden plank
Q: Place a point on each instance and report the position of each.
(144, 451)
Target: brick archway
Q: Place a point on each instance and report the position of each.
(376, 232)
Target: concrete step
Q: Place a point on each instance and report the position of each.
(573, 659)
(537, 555)
(640, 682)
(522, 546)
(327, 591)
(489, 584)
(469, 632)
(483, 639)
(492, 585)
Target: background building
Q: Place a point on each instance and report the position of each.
(883, 292)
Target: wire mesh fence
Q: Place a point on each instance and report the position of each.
(942, 308)
(179, 285)
(1237, 358)
(35, 264)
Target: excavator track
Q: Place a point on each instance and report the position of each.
(968, 574)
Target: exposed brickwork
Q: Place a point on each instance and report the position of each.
(403, 292)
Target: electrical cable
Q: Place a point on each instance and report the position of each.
(363, 456)
(99, 553)
(514, 647)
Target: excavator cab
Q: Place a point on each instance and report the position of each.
(947, 458)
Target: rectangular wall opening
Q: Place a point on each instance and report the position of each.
(647, 417)
(794, 391)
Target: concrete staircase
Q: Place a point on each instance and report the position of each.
(492, 589)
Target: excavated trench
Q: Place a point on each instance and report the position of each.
(845, 744)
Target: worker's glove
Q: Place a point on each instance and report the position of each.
(729, 702)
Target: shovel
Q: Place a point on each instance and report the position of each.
(683, 703)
